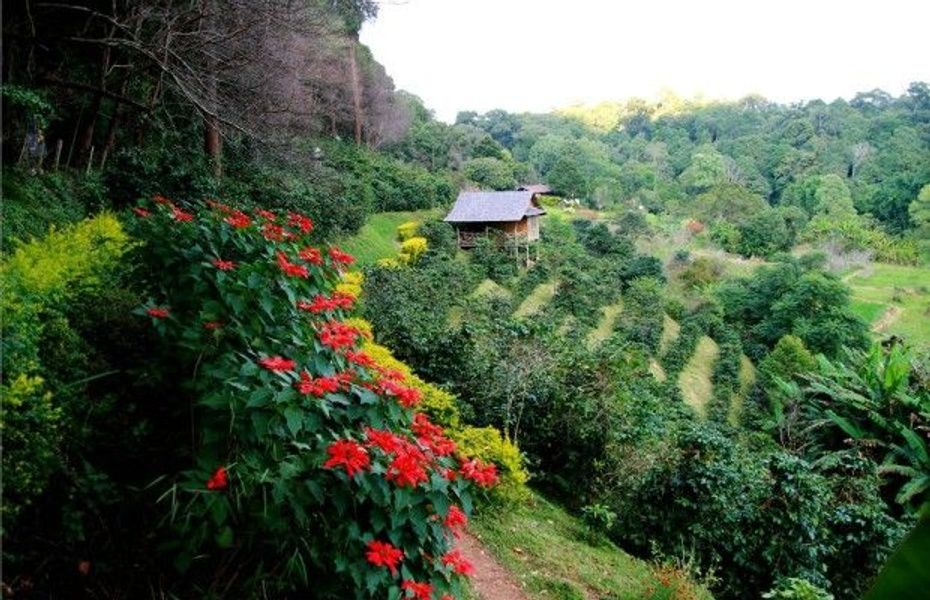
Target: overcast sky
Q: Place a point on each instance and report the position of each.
(526, 55)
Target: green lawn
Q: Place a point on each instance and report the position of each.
(695, 379)
(894, 299)
(555, 557)
(377, 238)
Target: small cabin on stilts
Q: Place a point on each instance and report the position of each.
(511, 216)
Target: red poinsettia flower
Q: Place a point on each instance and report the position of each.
(219, 206)
(266, 214)
(141, 212)
(342, 300)
(238, 219)
(219, 480)
(319, 386)
(348, 454)
(159, 199)
(291, 269)
(301, 222)
(455, 518)
(483, 474)
(223, 265)
(419, 591)
(274, 233)
(361, 358)
(386, 441)
(383, 554)
(320, 304)
(158, 312)
(458, 563)
(408, 469)
(407, 397)
(277, 363)
(340, 257)
(311, 255)
(181, 215)
(212, 325)
(338, 335)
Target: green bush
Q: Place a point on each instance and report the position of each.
(288, 477)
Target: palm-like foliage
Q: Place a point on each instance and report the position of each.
(869, 398)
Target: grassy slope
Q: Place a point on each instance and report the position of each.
(695, 379)
(881, 287)
(377, 238)
(747, 378)
(553, 556)
(605, 325)
(670, 331)
(538, 298)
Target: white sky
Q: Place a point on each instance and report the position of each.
(525, 55)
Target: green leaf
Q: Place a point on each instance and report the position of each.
(224, 539)
(294, 418)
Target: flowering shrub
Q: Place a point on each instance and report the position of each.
(311, 462)
(407, 230)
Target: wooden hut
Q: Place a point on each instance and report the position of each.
(511, 215)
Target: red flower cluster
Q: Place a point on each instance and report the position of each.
(223, 265)
(141, 212)
(420, 591)
(319, 386)
(484, 475)
(347, 454)
(383, 554)
(322, 303)
(213, 325)
(455, 518)
(458, 563)
(158, 312)
(266, 214)
(386, 441)
(274, 233)
(408, 469)
(159, 199)
(301, 222)
(219, 480)
(432, 436)
(407, 397)
(291, 269)
(238, 219)
(338, 335)
(340, 257)
(181, 215)
(311, 255)
(223, 208)
(361, 358)
(277, 363)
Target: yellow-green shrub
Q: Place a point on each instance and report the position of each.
(486, 443)
(407, 230)
(412, 249)
(490, 445)
(40, 278)
(351, 283)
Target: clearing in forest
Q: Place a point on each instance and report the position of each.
(491, 289)
(377, 238)
(894, 300)
(656, 369)
(695, 379)
(605, 326)
(538, 298)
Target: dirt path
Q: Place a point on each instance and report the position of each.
(890, 316)
(491, 580)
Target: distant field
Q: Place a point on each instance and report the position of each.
(538, 298)
(894, 299)
(377, 239)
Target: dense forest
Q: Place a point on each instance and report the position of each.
(204, 396)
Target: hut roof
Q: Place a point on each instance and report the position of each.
(488, 207)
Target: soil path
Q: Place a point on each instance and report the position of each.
(891, 315)
(491, 581)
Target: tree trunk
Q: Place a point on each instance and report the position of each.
(356, 91)
(212, 141)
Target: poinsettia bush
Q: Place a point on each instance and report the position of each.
(312, 467)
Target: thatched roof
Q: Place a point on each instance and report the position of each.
(493, 207)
